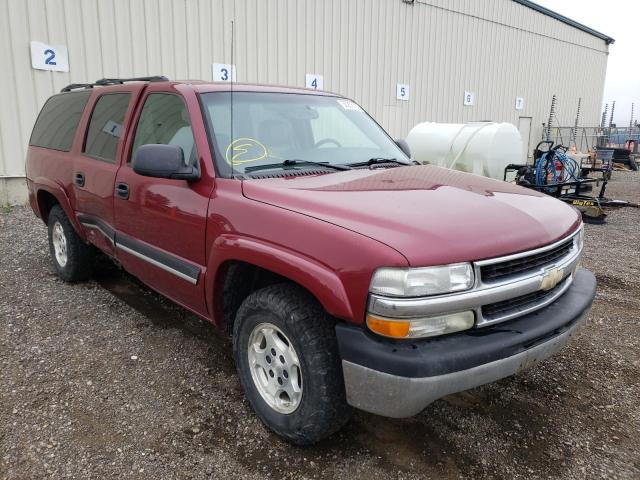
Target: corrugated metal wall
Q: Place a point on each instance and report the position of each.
(496, 48)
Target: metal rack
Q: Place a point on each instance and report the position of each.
(114, 81)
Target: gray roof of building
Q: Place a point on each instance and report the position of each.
(563, 19)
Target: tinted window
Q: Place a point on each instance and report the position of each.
(165, 119)
(58, 120)
(105, 126)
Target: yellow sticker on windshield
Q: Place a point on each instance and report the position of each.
(245, 150)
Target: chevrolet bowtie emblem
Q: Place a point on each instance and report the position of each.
(551, 277)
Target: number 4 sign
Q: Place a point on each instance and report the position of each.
(49, 57)
(311, 80)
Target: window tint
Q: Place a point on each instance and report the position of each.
(164, 119)
(105, 126)
(58, 120)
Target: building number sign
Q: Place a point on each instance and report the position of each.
(402, 92)
(314, 81)
(469, 98)
(49, 57)
(223, 72)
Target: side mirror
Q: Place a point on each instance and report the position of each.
(404, 146)
(163, 161)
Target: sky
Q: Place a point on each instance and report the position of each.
(618, 19)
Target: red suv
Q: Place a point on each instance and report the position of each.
(346, 274)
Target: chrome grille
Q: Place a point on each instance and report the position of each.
(500, 271)
(520, 304)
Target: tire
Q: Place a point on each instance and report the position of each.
(633, 164)
(72, 258)
(320, 408)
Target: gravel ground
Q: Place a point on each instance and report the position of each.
(106, 379)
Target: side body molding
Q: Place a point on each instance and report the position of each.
(321, 281)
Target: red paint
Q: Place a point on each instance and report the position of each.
(327, 232)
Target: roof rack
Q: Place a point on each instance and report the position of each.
(114, 81)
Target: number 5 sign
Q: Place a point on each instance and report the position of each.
(49, 57)
(402, 92)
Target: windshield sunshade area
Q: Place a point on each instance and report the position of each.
(292, 131)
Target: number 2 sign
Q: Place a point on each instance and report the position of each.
(49, 57)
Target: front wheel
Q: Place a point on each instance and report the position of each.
(287, 358)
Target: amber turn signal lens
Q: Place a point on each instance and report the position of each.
(388, 328)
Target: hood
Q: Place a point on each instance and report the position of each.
(431, 215)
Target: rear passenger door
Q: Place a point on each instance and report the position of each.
(161, 223)
(95, 168)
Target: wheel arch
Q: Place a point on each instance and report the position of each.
(48, 194)
(250, 264)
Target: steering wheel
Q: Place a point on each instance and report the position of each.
(328, 140)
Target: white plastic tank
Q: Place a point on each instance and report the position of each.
(483, 148)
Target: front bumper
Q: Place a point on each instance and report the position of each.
(399, 379)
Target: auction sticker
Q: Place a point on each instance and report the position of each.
(349, 105)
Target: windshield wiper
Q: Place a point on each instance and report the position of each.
(376, 160)
(293, 163)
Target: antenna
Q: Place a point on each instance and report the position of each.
(233, 68)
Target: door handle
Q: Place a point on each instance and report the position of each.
(79, 179)
(122, 190)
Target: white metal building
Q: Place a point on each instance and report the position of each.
(510, 55)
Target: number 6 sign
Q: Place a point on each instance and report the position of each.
(49, 57)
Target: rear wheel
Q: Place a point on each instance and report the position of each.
(287, 358)
(72, 258)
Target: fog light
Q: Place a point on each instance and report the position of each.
(420, 327)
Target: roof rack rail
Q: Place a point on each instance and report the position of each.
(75, 86)
(114, 81)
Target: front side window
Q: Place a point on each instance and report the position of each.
(58, 121)
(270, 128)
(106, 126)
(165, 120)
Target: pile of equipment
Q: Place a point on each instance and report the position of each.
(557, 174)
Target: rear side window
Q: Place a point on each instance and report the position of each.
(105, 126)
(58, 120)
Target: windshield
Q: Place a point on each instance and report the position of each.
(270, 128)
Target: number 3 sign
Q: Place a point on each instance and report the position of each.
(49, 57)
(223, 72)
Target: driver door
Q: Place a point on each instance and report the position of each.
(161, 223)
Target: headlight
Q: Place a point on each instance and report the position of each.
(420, 327)
(419, 282)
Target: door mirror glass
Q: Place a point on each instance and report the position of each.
(163, 161)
